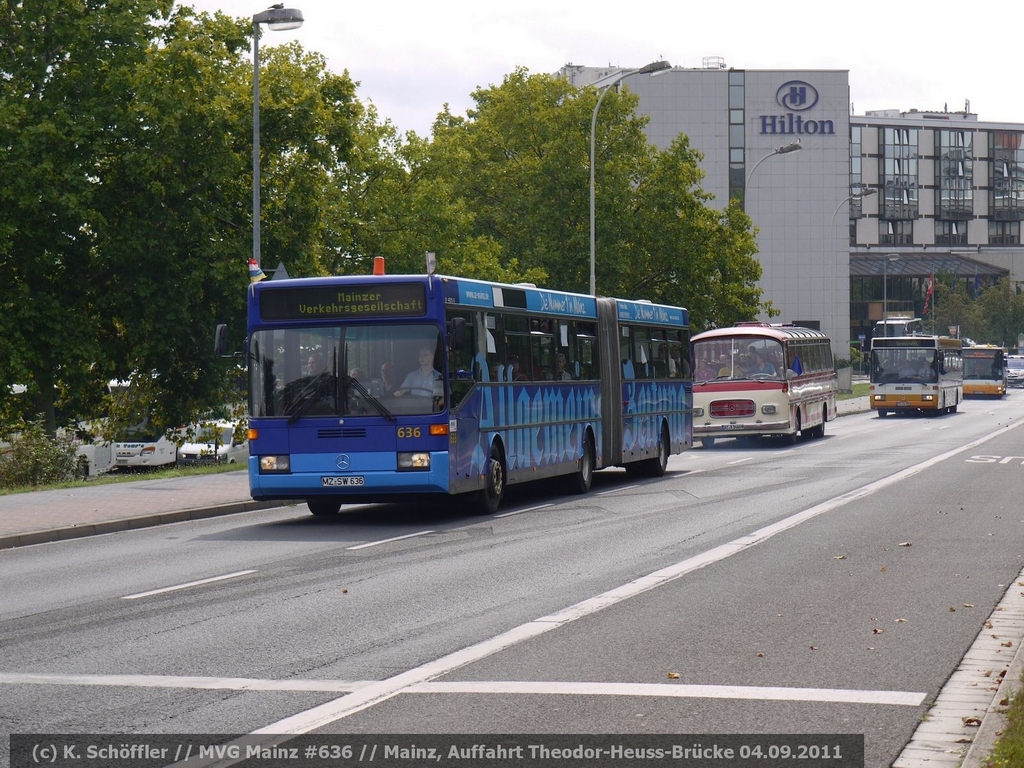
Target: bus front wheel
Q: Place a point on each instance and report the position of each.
(489, 499)
(323, 507)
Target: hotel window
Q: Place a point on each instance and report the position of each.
(856, 174)
(737, 137)
(1004, 233)
(1007, 197)
(951, 233)
(895, 232)
(954, 176)
(899, 182)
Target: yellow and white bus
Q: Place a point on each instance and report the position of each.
(920, 374)
(984, 371)
(757, 379)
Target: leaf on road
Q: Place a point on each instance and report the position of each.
(904, 544)
(673, 675)
(839, 557)
(973, 721)
(952, 609)
(968, 605)
(900, 621)
(877, 631)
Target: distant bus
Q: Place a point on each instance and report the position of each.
(141, 446)
(403, 387)
(899, 326)
(922, 374)
(984, 371)
(757, 379)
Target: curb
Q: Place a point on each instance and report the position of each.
(131, 523)
(994, 721)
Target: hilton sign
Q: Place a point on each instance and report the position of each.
(795, 97)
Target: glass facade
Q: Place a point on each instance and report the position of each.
(1007, 201)
(899, 168)
(954, 177)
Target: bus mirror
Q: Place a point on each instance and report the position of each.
(790, 374)
(457, 333)
(220, 341)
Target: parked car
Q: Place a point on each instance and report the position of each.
(216, 442)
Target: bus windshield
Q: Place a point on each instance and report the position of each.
(738, 358)
(346, 370)
(891, 364)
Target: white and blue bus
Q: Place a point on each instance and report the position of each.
(396, 387)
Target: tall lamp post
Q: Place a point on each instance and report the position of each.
(654, 66)
(863, 191)
(885, 289)
(278, 18)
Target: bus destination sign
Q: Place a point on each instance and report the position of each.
(318, 303)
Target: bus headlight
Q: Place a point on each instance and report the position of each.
(928, 398)
(878, 398)
(275, 464)
(414, 461)
(767, 409)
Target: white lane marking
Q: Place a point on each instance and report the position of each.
(754, 693)
(329, 712)
(175, 681)
(616, 490)
(188, 585)
(388, 541)
(740, 461)
(655, 690)
(527, 509)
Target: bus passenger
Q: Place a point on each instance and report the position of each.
(420, 382)
(761, 366)
(561, 374)
(516, 373)
(387, 379)
(315, 365)
(704, 371)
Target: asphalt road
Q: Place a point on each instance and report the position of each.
(831, 587)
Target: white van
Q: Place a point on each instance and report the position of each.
(216, 443)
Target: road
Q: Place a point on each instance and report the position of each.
(830, 587)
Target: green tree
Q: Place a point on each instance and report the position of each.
(65, 69)
(125, 192)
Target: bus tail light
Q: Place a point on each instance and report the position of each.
(414, 461)
(439, 429)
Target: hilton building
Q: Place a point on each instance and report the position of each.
(889, 196)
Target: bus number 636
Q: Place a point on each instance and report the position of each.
(409, 432)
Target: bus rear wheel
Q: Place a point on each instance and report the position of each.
(583, 478)
(323, 507)
(656, 466)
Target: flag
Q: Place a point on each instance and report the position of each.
(928, 294)
(255, 273)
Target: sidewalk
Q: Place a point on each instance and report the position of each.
(41, 516)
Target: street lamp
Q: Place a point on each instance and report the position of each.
(654, 66)
(278, 18)
(863, 191)
(885, 289)
(796, 146)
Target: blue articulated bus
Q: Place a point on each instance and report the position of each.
(397, 387)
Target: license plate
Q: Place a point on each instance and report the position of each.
(903, 402)
(732, 426)
(334, 482)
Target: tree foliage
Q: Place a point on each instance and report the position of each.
(125, 192)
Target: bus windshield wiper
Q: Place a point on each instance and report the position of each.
(351, 383)
(313, 391)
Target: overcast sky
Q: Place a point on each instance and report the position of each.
(412, 58)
